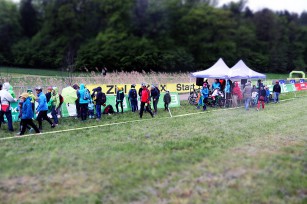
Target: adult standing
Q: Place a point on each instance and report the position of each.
(100, 100)
(84, 98)
(236, 94)
(276, 91)
(145, 101)
(133, 98)
(119, 99)
(247, 94)
(42, 108)
(27, 114)
(261, 98)
(76, 87)
(55, 98)
(5, 99)
(155, 95)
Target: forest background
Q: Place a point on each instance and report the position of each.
(149, 35)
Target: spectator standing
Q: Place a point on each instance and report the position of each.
(6, 99)
(42, 109)
(133, 98)
(247, 95)
(119, 99)
(27, 114)
(236, 94)
(167, 100)
(261, 98)
(55, 98)
(84, 97)
(155, 95)
(76, 87)
(204, 96)
(100, 101)
(276, 91)
(145, 101)
(216, 84)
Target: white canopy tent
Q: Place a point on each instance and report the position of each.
(241, 71)
(219, 70)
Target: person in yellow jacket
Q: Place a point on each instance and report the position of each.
(55, 102)
(33, 98)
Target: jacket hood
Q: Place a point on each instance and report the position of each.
(82, 86)
(55, 90)
(99, 88)
(6, 86)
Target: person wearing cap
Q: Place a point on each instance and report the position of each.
(48, 94)
(6, 98)
(167, 100)
(33, 98)
(276, 91)
(26, 114)
(145, 101)
(133, 98)
(247, 95)
(42, 109)
(155, 95)
(119, 99)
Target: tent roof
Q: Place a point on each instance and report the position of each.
(241, 71)
(218, 70)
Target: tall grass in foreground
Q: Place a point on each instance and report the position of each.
(232, 156)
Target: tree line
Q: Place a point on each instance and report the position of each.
(159, 35)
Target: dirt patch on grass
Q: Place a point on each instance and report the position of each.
(29, 188)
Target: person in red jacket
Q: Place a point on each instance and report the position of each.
(145, 101)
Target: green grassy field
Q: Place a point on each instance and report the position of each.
(218, 156)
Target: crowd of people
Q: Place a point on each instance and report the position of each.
(90, 105)
(256, 95)
(87, 105)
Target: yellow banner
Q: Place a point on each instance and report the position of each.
(110, 89)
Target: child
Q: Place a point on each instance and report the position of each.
(91, 109)
(19, 108)
(167, 100)
(261, 98)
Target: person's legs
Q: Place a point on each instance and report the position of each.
(149, 110)
(262, 104)
(32, 124)
(9, 118)
(98, 111)
(258, 104)
(84, 111)
(45, 117)
(117, 102)
(23, 126)
(142, 109)
(247, 101)
(39, 119)
(54, 115)
(121, 106)
(277, 97)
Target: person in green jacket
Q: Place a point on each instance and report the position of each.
(55, 102)
(33, 98)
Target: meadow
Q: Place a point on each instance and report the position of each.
(217, 156)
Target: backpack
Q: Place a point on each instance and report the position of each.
(108, 109)
(86, 95)
(133, 94)
(61, 99)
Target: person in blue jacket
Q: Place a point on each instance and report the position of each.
(84, 99)
(203, 97)
(42, 109)
(27, 114)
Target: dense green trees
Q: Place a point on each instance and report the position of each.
(159, 35)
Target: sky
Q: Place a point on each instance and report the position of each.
(297, 6)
